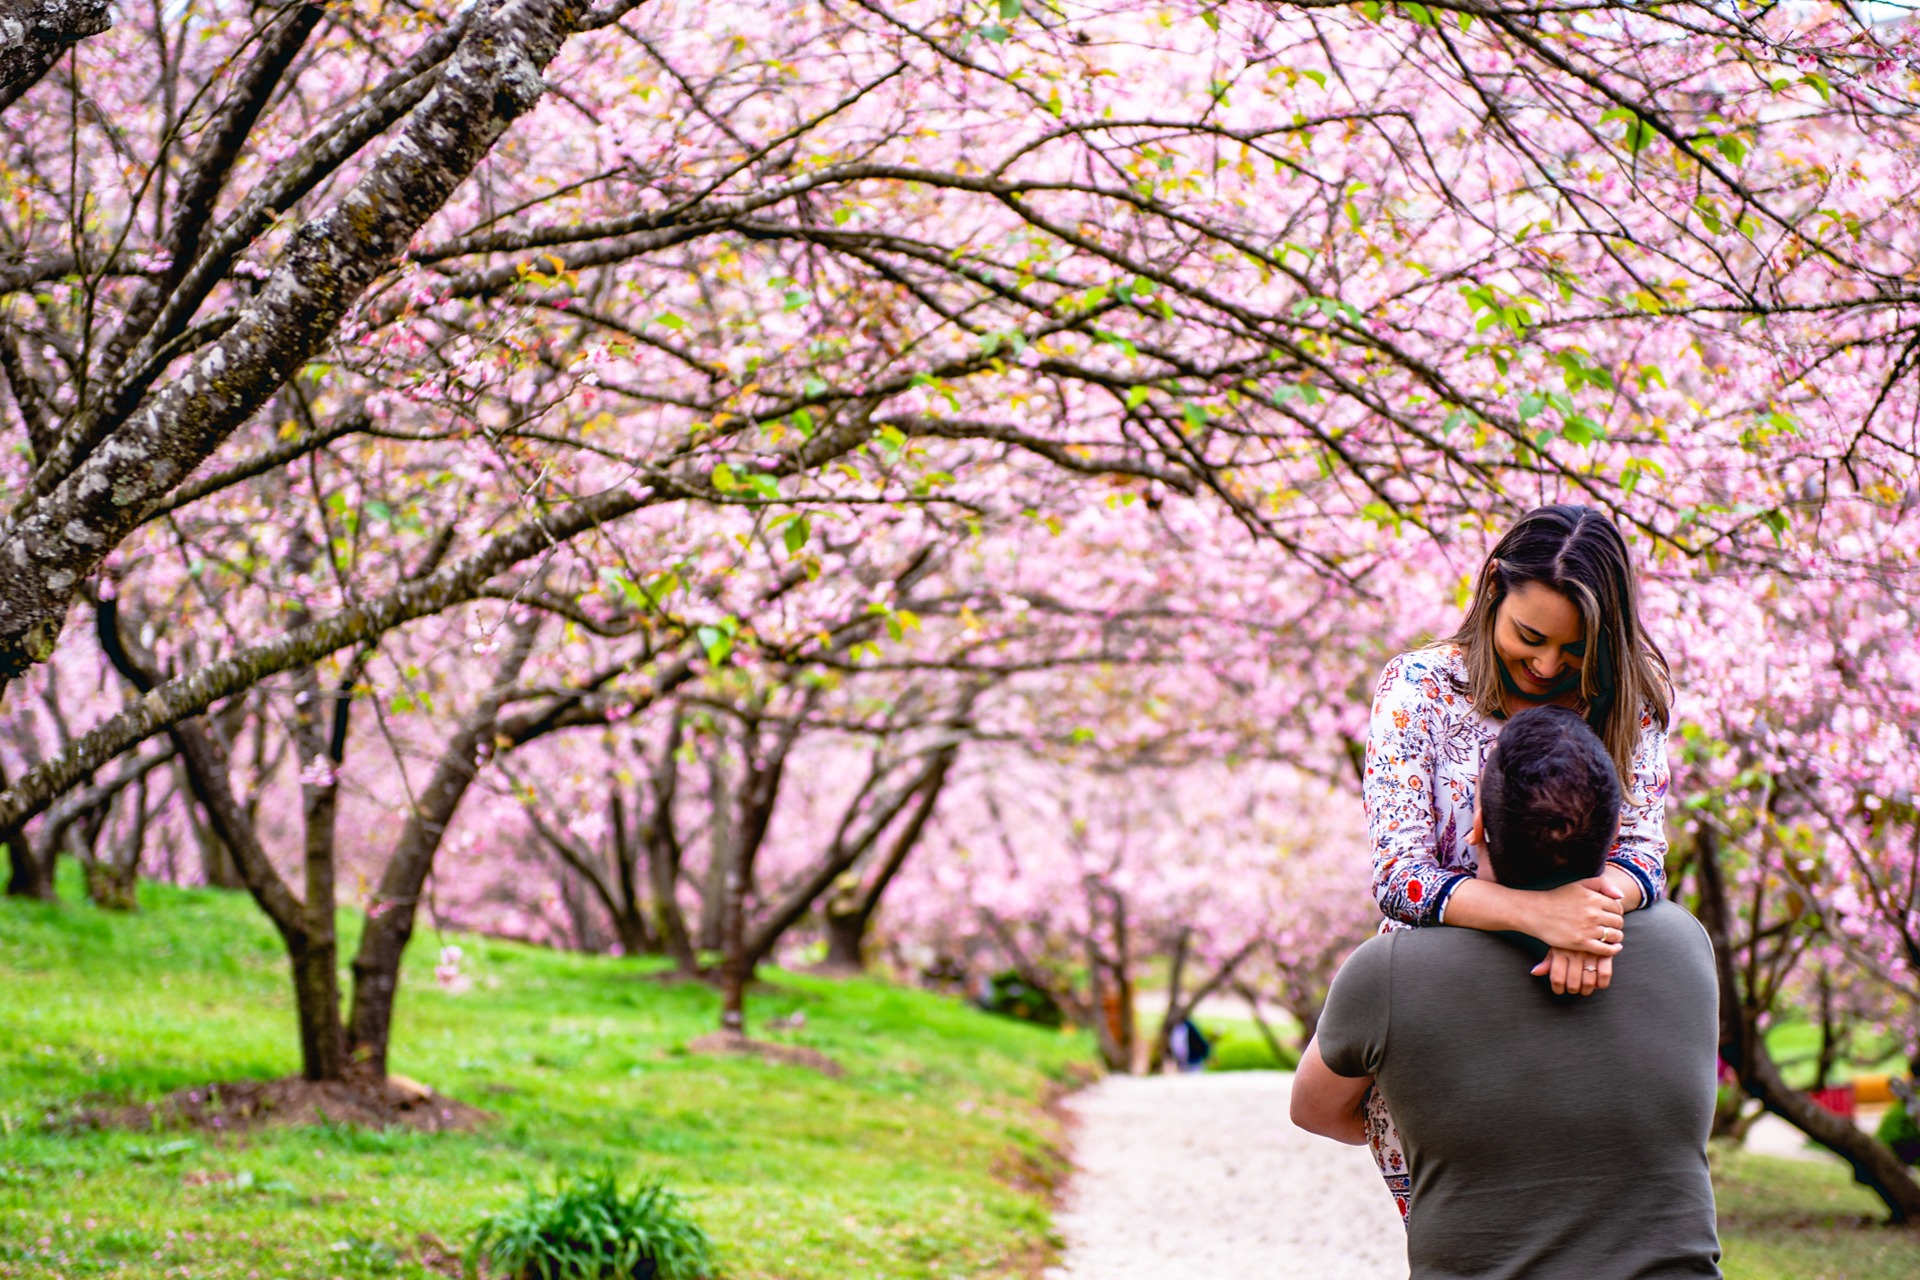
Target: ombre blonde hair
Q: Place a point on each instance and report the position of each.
(1577, 552)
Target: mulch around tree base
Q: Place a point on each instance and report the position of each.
(236, 1105)
(791, 1055)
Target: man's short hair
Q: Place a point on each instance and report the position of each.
(1549, 800)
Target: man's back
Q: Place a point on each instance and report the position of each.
(1548, 1135)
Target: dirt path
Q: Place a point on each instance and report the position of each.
(1203, 1178)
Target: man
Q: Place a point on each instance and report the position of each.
(1548, 1136)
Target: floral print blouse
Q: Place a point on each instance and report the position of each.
(1425, 747)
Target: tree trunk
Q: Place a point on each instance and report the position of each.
(1743, 1047)
(28, 876)
(390, 917)
(721, 853)
(848, 917)
(217, 865)
(663, 871)
(633, 918)
(1157, 1054)
(847, 938)
(306, 928)
(757, 798)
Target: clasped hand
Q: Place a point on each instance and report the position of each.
(1583, 926)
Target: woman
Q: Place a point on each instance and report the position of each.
(1555, 620)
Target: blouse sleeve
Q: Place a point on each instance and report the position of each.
(1396, 791)
(1641, 847)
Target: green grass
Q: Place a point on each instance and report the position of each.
(1786, 1219)
(1795, 1045)
(927, 1160)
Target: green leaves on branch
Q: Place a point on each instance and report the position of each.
(1331, 308)
(1492, 307)
(1747, 225)
(897, 621)
(995, 32)
(1575, 426)
(717, 638)
(1639, 135)
(729, 480)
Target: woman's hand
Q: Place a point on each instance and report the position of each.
(1575, 971)
(1586, 916)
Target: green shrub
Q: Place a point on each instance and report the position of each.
(1898, 1131)
(588, 1229)
(1012, 996)
(1240, 1051)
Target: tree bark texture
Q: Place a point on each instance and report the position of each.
(34, 33)
(81, 507)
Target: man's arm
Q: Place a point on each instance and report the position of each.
(1329, 1104)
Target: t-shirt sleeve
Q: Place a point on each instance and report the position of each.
(1353, 1026)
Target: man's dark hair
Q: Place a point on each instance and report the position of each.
(1549, 799)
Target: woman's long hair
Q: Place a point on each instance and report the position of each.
(1576, 551)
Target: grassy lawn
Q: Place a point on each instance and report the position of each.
(1804, 1220)
(928, 1159)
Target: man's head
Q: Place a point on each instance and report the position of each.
(1549, 800)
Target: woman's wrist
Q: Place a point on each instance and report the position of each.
(1633, 894)
(1482, 904)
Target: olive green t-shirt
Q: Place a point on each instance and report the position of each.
(1548, 1136)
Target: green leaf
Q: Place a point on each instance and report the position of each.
(1009, 9)
(798, 530)
(1639, 136)
(994, 32)
(1137, 396)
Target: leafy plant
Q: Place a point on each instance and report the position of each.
(1898, 1131)
(1238, 1051)
(1012, 996)
(588, 1229)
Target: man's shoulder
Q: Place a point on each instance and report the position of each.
(1670, 931)
(1668, 921)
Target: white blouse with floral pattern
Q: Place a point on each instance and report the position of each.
(1425, 749)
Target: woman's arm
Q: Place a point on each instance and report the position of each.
(1639, 852)
(1571, 918)
(1396, 791)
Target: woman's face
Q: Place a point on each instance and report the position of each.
(1538, 636)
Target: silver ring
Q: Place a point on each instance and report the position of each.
(1593, 968)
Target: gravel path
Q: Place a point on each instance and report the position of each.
(1203, 1178)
